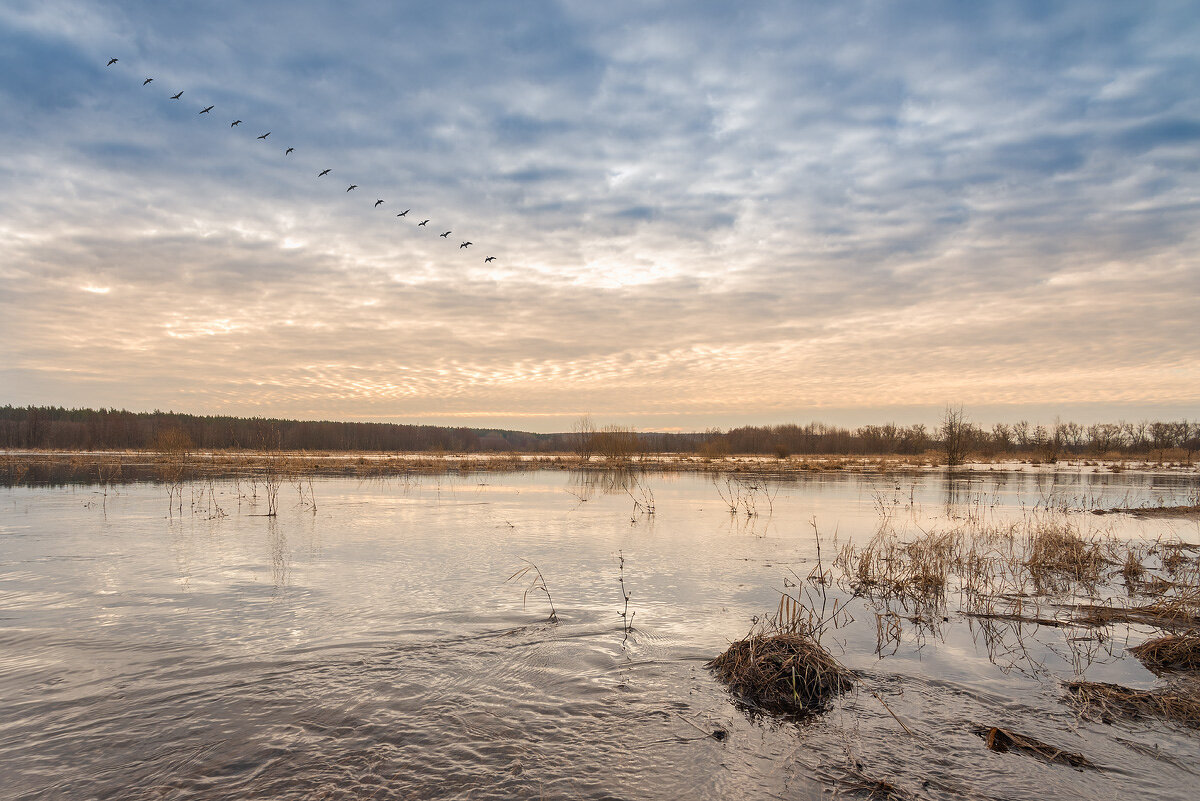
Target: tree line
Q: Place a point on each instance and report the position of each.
(107, 429)
(48, 427)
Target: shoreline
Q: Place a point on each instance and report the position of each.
(102, 467)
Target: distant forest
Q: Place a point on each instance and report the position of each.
(48, 427)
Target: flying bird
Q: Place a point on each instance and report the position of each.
(422, 223)
(406, 211)
(288, 151)
(111, 61)
(235, 123)
(465, 245)
(264, 136)
(177, 96)
(210, 108)
(377, 203)
(322, 172)
(352, 186)
(446, 234)
(489, 258)
(148, 80)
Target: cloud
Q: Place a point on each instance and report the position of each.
(697, 212)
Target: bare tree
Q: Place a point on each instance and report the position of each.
(584, 435)
(617, 443)
(956, 435)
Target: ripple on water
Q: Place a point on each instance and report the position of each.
(375, 651)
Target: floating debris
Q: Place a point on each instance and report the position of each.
(1004, 740)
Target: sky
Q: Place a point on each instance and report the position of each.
(702, 214)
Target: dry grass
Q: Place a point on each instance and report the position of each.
(1107, 702)
(1180, 611)
(1057, 556)
(1005, 740)
(21, 466)
(1188, 511)
(783, 673)
(1172, 652)
(875, 789)
(917, 571)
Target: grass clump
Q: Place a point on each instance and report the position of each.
(1107, 702)
(786, 673)
(1058, 555)
(1172, 652)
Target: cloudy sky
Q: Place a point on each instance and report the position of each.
(703, 214)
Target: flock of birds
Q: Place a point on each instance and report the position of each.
(423, 224)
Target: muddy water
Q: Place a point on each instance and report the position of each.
(372, 647)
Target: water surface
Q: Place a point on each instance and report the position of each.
(372, 647)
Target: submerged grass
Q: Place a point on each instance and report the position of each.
(1107, 702)
(1169, 612)
(1058, 556)
(873, 789)
(1172, 652)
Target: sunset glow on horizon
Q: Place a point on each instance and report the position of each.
(702, 215)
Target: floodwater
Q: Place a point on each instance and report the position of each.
(372, 647)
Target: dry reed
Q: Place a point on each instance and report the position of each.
(1172, 652)
(1106, 702)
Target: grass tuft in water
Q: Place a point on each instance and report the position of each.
(787, 673)
(1172, 652)
(537, 583)
(1106, 702)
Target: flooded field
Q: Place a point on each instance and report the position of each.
(545, 634)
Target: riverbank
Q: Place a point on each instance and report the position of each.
(103, 467)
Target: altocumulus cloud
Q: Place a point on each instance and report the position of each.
(702, 213)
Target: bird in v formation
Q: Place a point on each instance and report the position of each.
(322, 173)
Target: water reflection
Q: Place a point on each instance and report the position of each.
(363, 643)
(281, 560)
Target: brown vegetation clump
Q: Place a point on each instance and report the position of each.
(1185, 511)
(785, 673)
(1004, 740)
(1181, 611)
(1172, 652)
(1106, 702)
(916, 571)
(1056, 553)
